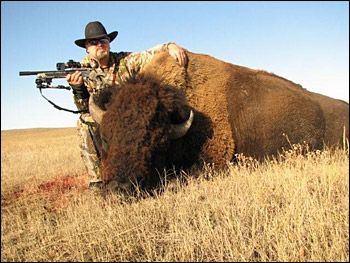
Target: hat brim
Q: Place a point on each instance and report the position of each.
(111, 36)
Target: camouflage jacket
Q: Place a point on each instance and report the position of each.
(123, 66)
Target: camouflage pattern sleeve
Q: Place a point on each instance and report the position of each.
(134, 62)
(81, 103)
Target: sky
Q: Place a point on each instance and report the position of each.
(305, 42)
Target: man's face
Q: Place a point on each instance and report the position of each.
(98, 48)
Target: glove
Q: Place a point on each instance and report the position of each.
(81, 92)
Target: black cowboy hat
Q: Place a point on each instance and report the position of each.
(95, 30)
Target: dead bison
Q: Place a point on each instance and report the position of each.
(207, 112)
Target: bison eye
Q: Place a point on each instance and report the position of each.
(102, 98)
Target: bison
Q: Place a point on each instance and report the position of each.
(206, 112)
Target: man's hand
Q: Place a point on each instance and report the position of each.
(75, 80)
(178, 54)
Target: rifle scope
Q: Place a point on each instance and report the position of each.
(69, 64)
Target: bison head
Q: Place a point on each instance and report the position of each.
(136, 129)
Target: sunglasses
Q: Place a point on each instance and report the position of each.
(94, 42)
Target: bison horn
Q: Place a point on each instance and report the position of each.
(95, 111)
(179, 130)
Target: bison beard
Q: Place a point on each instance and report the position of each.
(137, 129)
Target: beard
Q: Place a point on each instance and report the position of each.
(101, 54)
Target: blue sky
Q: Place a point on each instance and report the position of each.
(305, 42)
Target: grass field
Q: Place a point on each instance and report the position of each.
(291, 208)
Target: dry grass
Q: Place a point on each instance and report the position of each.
(291, 210)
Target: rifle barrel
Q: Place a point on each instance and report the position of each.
(29, 73)
(54, 73)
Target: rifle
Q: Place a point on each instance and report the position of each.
(44, 78)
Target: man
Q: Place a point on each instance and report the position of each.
(109, 70)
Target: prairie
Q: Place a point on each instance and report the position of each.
(294, 207)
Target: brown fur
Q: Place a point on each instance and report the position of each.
(237, 110)
(253, 111)
(136, 128)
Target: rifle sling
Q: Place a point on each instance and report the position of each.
(60, 108)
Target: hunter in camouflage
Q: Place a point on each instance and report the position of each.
(117, 68)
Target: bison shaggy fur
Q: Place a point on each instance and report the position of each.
(236, 110)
